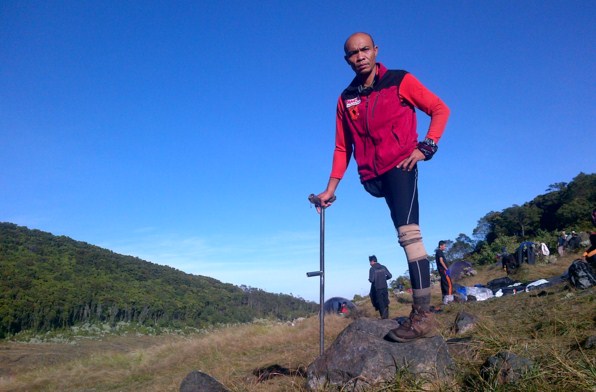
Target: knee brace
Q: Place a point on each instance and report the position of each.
(418, 265)
(411, 240)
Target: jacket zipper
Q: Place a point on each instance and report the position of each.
(372, 112)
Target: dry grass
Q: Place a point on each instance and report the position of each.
(549, 329)
(229, 354)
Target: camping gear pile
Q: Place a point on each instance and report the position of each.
(579, 274)
(506, 286)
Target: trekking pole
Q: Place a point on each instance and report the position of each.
(321, 273)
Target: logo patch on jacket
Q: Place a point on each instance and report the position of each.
(352, 106)
(352, 102)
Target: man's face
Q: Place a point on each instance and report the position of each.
(442, 247)
(361, 54)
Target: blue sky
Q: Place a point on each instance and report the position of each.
(190, 133)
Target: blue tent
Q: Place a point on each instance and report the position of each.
(333, 305)
(457, 269)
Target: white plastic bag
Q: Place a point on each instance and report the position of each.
(480, 293)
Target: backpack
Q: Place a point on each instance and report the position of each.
(581, 275)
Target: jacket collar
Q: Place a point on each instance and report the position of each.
(355, 87)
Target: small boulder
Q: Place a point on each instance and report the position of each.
(197, 381)
(590, 342)
(505, 368)
(464, 322)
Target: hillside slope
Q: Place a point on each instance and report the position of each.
(49, 282)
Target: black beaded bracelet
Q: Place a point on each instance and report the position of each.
(427, 147)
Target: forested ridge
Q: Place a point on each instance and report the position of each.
(50, 282)
(564, 207)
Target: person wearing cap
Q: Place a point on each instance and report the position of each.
(378, 275)
(376, 123)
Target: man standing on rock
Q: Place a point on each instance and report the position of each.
(376, 122)
(378, 275)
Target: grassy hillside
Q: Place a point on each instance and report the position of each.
(49, 282)
(548, 326)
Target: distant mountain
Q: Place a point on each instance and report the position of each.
(49, 282)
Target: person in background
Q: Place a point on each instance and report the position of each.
(378, 275)
(376, 123)
(344, 309)
(443, 268)
(561, 241)
(574, 242)
(590, 253)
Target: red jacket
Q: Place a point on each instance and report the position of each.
(378, 125)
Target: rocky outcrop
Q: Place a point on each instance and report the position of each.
(360, 357)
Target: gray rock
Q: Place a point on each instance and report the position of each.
(506, 368)
(590, 342)
(360, 358)
(197, 381)
(464, 322)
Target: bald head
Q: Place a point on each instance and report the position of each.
(358, 35)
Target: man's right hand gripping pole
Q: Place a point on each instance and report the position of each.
(322, 200)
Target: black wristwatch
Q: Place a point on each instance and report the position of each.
(428, 147)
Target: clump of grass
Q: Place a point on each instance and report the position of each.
(545, 328)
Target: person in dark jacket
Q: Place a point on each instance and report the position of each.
(376, 123)
(378, 275)
(446, 284)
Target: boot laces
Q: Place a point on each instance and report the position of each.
(417, 316)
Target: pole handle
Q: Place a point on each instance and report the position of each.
(317, 201)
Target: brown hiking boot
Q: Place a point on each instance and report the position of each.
(421, 324)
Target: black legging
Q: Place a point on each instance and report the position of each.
(401, 195)
(400, 190)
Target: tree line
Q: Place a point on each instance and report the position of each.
(564, 207)
(49, 282)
